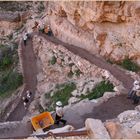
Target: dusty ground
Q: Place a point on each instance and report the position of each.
(75, 116)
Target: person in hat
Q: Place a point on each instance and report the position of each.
(133, 90)
(59, 113)
(25, 37)
(29, 93)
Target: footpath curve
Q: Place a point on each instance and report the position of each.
(30, 70)
(30, 80)
(78, 114)
(98, 61)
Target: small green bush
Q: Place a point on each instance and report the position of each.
(63, 93)
(5, 62)
(99, 90)
(129, 65)
(53, 60)
(10, 81)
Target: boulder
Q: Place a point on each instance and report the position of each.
(117, 131)
(96, 129)
(73, 100)
(137, 108)
(113, 130)
(74, 93)
(108, 95)
(136, 127)
(128, 116)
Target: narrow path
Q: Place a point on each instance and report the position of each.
(108, 110)
(77, 115)
(100, 62)
(29, 73)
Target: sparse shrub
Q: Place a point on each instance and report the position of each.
(5, 62)
(99, 90)
(10, 81)
(129, 65)
(63, 93)
(53, 60)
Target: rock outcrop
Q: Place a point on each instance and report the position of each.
(110, 29)
(96, 129)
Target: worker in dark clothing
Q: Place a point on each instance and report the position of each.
(25, 101)
(136, 97)
(134, 89)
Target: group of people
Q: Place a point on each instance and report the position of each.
(46, 29)
(26, 98)
(59, 110)
(134, 93)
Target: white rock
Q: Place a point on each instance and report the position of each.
(136, 127)
(108, 95)
(40, 77)
(66, 128)
(129, 115)
(73, 100)
(96, 129)
(74, 93)
(106, 74)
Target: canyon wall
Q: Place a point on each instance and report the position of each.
(110, 29)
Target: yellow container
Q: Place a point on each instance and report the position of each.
(42, 121)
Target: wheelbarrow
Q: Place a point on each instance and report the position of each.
(42, 121)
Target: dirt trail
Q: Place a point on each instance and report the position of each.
(77, 116)
(98, 61)
(29, 72)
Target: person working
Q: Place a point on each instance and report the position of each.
(25, 101)
(25, 38)
(59, 113)
(133, 90)
(29, 93)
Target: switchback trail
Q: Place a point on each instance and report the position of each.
(108, 110)
(30, 70)
(77, 115)
(29, 74)
(98, 61)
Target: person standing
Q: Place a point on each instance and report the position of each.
(29, 93)
(25, 38)
(134, 89)
(25, 101)
(136, 97)
(59, 114)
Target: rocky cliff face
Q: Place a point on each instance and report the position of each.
(110, 29)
